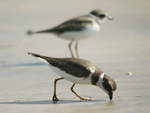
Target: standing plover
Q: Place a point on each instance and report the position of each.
(78, 28)
(78, 71)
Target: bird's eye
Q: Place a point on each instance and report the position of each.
(102, 16)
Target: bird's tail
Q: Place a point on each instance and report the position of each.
(30, 32)
(44, 31)
(42, 58)
(35, 55)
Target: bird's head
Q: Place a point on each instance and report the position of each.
(107, 84)
(102, 15)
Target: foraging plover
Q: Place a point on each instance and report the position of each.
(78, 28)
(78, 71)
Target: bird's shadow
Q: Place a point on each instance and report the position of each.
(50, 102)
(24, 64)
(31, 64)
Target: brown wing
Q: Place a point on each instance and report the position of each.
(73, 66)
(75, 24)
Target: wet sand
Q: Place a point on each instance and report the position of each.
(122, 46)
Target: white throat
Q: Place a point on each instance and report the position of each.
(99, 82)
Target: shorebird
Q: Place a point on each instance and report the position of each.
(78, 28)
(78, 71)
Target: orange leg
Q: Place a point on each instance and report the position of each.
(76, 48)
(76, 93)
(70, 48)
(55, 99)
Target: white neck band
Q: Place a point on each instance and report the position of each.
(93, 16)
(101, 80)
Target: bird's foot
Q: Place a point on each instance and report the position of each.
(83, 99)
(55, 99)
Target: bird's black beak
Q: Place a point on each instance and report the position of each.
(110, 96)
(110, 17)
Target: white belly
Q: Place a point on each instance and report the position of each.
(79, 80)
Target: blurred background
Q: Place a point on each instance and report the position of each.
(121, 46)
(131, 20)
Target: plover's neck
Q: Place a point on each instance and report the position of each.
(101, 79)
(96, 18)
(99, 82)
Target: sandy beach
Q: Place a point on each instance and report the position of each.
(121, 46)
